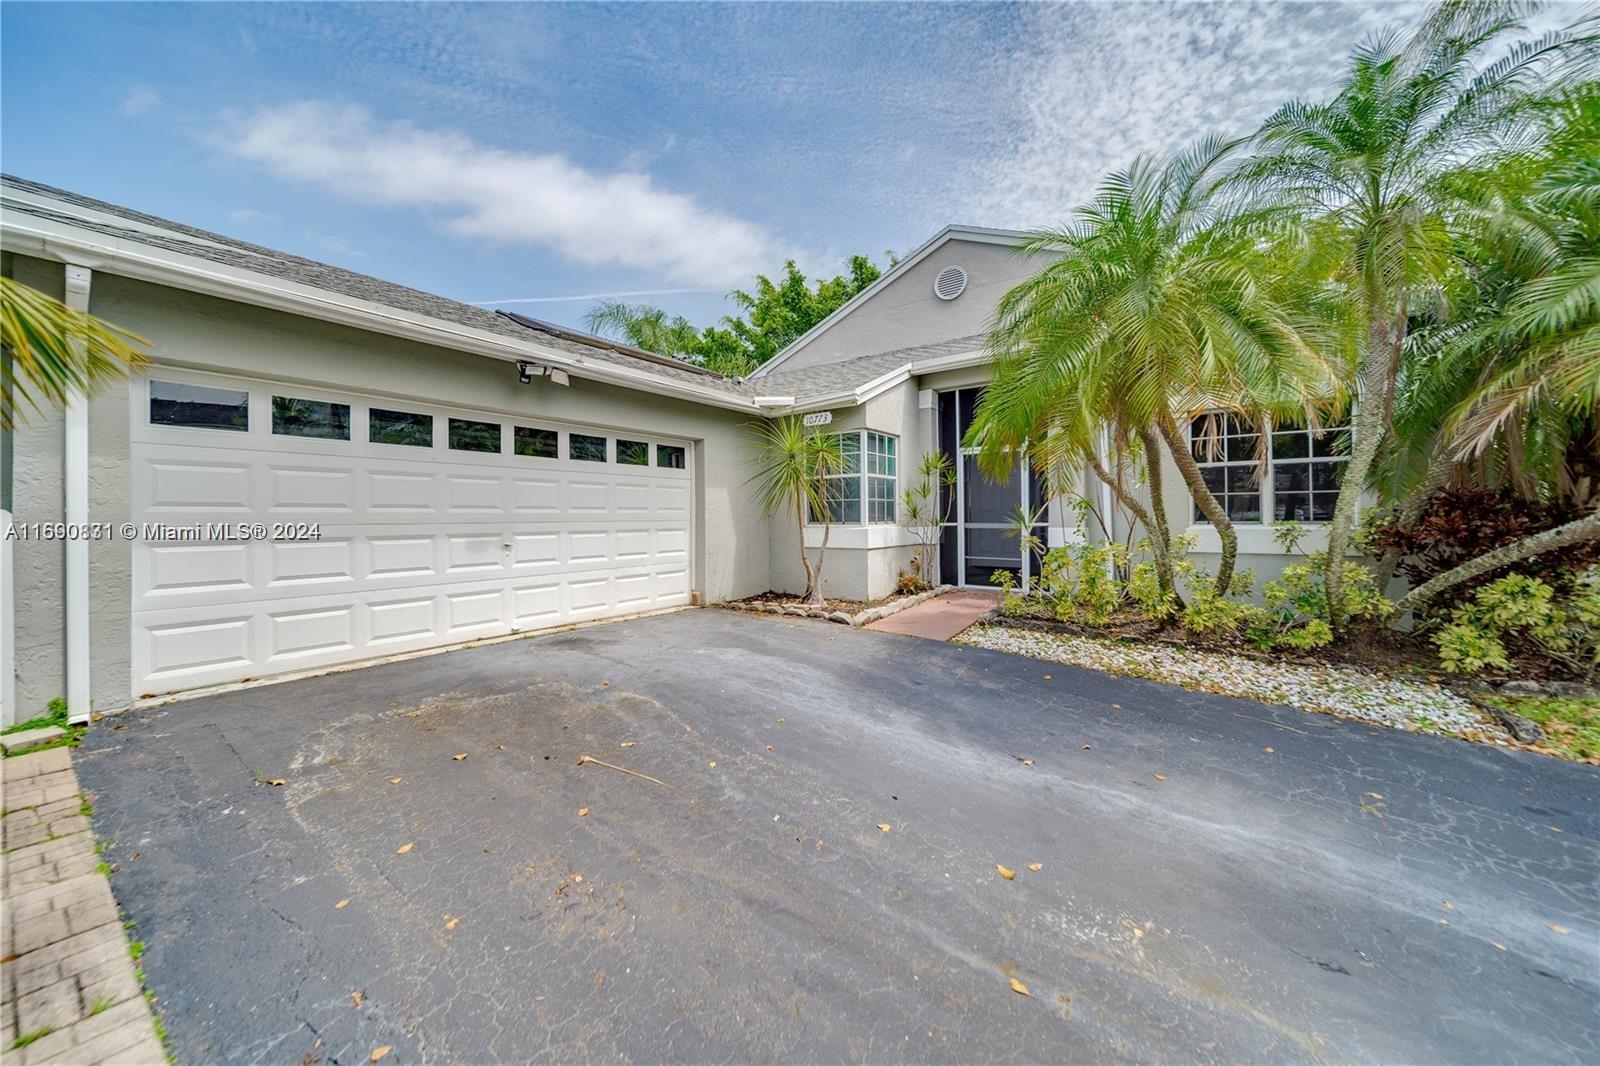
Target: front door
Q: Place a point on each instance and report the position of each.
(982, 534)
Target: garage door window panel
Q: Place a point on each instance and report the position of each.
(293, 417)
(669, 457)
(633, 452)
(199, 407)
(534, 442)
(399, 427)
(467, 435)
(587, 449)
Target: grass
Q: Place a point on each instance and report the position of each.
(1571, 727)
(27, 1038)
(101, 1003)
(55, 714)
(136, 949)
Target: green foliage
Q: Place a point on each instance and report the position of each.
(27, 1038)
(1078, 582)
(54, 351)
(774, 315)
(1210, 613)
(908, 583)
(55, 714)
(1571, 727)
(1520, 610)
(923, 514)
(1296, 613)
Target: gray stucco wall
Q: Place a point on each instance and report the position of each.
(906, 313)
(200, 332)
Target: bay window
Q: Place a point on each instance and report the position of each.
(864, 486)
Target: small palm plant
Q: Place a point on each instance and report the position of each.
(924, 510)
(794, 465)
(55, 351)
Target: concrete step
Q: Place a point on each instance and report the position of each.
(30, 738)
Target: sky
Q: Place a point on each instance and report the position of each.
(540, 157)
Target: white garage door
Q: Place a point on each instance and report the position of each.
(389, 526)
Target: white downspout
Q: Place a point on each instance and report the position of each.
(77, 514)
(8, 629)
(1107, 501)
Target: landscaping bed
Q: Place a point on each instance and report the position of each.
(845, 612)
(1421, 703)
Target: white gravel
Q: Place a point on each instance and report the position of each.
(1339, 690)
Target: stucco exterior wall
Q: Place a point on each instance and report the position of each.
(906, 313)
(203, 333)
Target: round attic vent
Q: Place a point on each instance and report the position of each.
(951, 282)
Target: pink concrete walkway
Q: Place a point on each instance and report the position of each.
(941, 617)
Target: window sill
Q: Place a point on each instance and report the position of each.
(875, 535)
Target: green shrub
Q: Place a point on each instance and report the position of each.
(1520, 609)
(1296, 611)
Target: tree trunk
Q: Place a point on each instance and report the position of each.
(805, 560)
(1436, 478)
(1203, 498)
(1575, 532)
(1160, 535)
(816, 599)
(1384, 337)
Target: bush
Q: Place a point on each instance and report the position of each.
(1079, 582)
(1459, 526)
(1296, 611)
(909, 583)
(1526, 613)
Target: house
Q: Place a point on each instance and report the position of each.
(320, 467)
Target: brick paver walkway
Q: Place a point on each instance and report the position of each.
(68, 991)
(941, 617)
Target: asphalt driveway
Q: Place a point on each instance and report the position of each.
(1220, 880)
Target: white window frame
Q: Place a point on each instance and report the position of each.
(862, 477)
(1268, 482)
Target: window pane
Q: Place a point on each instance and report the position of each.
(1291, 506)
(399, 427)
(633, 452)
(586, 448)
(1322, 504)
(1243, 449)
(1291, 477)
(1326, 476)
(539, 443)
(843, 496)
(199, 407)
(1243, 479)
(880, 499)
(310, 418)
(1244, 508)
(1295, 445)
(1216, 478)
(1205, 436)
(469, 436)
(669, 456)
(1333, 442)
(850, 450)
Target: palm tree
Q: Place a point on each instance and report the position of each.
(1510, 388)
(643, 326)
(55, 352)
(1373, 166)
(1159, 302)
(794, 464)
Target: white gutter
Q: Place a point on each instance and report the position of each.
(76, 492)
(143, 263)
(884, 382)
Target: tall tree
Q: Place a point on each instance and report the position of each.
(772, 316)
(793, 464)
(1373, 164)
(1156, 302)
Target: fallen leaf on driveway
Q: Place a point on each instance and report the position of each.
(1267, 750)
(276, 781)
(605, 682)
(459, 757)
(1035, 867)
(341, 905)
(355, 997)
(780, 721)
(884, 826)
(626, 744)
(1161, 777)
(1019, 988)
(1027, 762)
(1559, 930)
(713, 765)
(583, 812)
(394, 780)
(403, 848)
(452, 923)
(1497, 944)
(380, 1052)
(769, 747)
(1009, 875)
(1047, 677)
(1085, 747)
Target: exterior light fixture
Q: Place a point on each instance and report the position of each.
(527, 371)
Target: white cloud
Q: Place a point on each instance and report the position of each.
(621, 218)
(588, 296)
(1091, 86)
(247, 214)
(141, 100)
